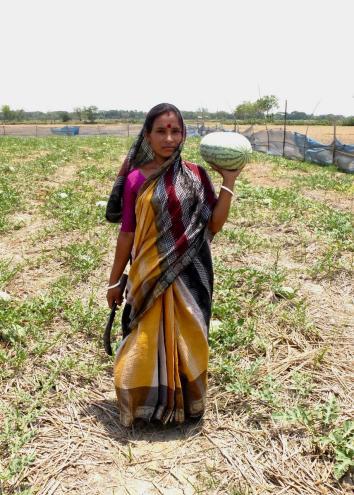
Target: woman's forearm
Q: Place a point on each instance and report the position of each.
(123, 251)
(222, 207)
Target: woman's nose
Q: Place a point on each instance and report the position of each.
(169, 136)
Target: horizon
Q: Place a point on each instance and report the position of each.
(277, 111)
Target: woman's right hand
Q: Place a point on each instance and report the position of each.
(228, 175)
(115, 294)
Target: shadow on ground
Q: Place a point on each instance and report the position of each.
(105, 412)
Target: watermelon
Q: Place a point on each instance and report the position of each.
(228, 150)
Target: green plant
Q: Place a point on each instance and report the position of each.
(330, 263)
(268, 391)
(315, 419)
(7, 271)
(324, 180)
(84, 257)
(88, 318)
(242, 381)
(243, 239)
(232, 334)
(320, 422)
(340, 441)
(302, 384)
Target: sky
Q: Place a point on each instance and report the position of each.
(133, 54)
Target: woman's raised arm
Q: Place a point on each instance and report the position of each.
(222, 207)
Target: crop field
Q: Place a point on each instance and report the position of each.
(279, 418)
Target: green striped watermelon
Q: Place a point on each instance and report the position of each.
(229, 150)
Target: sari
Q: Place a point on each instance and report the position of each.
(160, 369)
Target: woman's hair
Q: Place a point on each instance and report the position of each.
(159, 110)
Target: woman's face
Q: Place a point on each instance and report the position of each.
(165, 136)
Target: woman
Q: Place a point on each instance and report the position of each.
(169, 214)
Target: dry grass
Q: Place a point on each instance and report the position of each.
(240, 447)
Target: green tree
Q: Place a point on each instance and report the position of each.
(78, 112)
(90, 113)
(295, 115)
(7, 113)
(65, 117)
(246, 110)
(19, 114)
(267, 103)
(348, 121)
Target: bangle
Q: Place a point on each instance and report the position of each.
(114, 285)
(228, 190)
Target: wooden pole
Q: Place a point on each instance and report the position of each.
(266, 126)
(285, 117)
(334, 142)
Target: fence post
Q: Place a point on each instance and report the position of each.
(266, 126)
(128, 130)
(285, 115)
(334, 142)
(305, 141)
(304, 148)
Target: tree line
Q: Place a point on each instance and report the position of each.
(264, 109)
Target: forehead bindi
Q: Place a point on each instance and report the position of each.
(167, 121)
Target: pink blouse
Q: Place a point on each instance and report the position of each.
(133, 182)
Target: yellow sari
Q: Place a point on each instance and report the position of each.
(160, 369)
